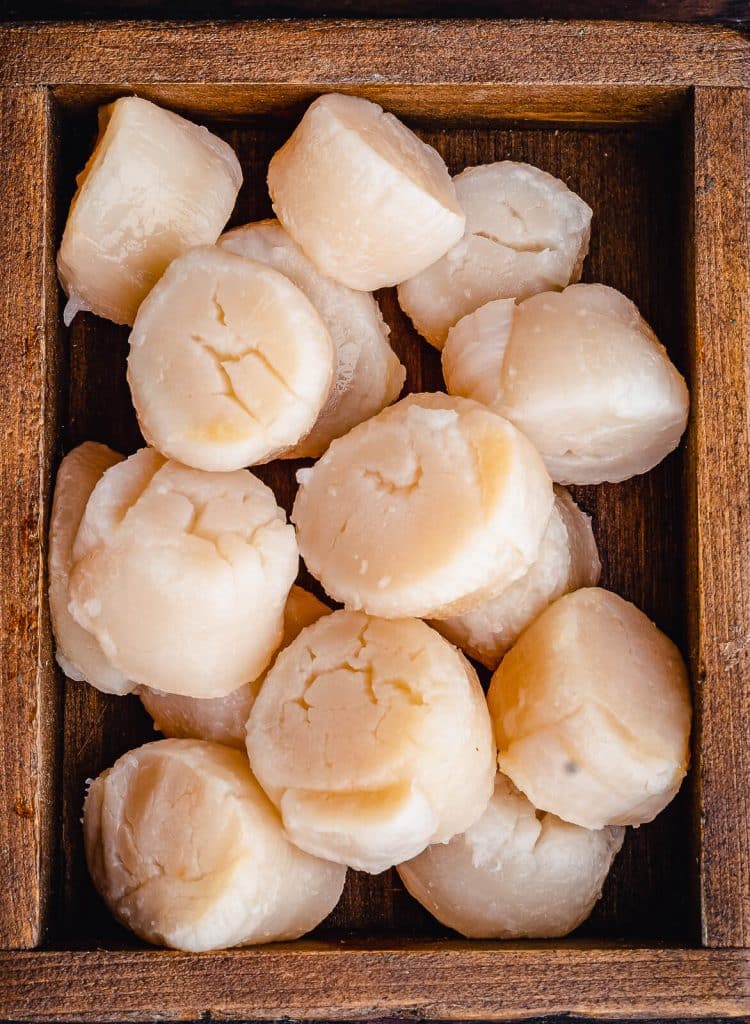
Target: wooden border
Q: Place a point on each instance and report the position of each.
(449, 981)
(28, 315)
(530, 53)
(719, 461)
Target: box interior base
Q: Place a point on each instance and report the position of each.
(631, 177)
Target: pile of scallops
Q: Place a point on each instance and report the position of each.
(304, 738)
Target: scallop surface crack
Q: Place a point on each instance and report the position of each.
(372, 738)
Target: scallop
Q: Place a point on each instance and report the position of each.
(224, 719)
(155, 186)
(581, 373)
(424, 509)
(591, 710)
(229, 364)
(182, 576)
(515, 873)
(526, 232)
(186, 851)
(568, 559)
(366, 200)
(78, 653)
(367, 375)
(373, 739)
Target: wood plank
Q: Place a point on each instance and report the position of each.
(28, 366)
(335, 52)
(446, 102)
(719, 446)
(436, 981)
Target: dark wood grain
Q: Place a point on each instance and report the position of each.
(486, 53)
(437, 981)
(726, 11)
(28, 371)
(720, 475)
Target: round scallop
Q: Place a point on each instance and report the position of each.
(368, 202)
(77, 651)
(182, 576)
(526, 232)
(424, 509)
(373, 739)
(591, 710)
(568, 559)
(581, 373)
(187, 852)
(515, 873)
(229, 363)
(224, 719)
(155, 186)
(367, 375)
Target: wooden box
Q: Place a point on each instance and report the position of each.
(651, 125)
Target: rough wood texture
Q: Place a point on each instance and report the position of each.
(627, 176)
(445, 981)
(28, 365)
(483, 52)
(720, 471)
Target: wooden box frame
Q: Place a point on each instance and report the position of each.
(598, 73)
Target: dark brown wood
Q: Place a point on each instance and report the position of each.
(450, 102)
(28, 370)
(725, 11)
(437, 981)
(720, 543)
(334, 52)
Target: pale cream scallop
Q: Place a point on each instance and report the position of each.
(372, 737)
(423, 509)
(367, 201)
(224, 719)
(229, 364)
(77, 652)
(591, 710)
(155, 186)
(568, 559)
(182, 576)
(581, 373)
(515, 873)
(187, 852)
(526, 232)
(368, 375)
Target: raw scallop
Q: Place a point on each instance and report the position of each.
(224, 719)
(187, 852)
(581, 373)
(526, 232)
(373, 739)
(182, 576)
(592, 712)
(364, 198)
(77, 652)
(155, 186)
(514, 874)
(568, 559)
(229, 363)
(424, 509)
(367, 374)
